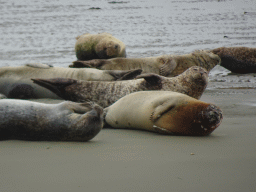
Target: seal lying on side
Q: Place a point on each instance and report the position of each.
(164, 112)
(192, 82)
(237, 59)
(66, 121)
(98, 46)
(15, 82)
(166, 65)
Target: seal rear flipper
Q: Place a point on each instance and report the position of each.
(151, 78)
(124, 75)
(56, 85)
(168, 66)
(80, 64)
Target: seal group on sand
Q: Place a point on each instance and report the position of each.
(192, 82)
(15, 82)
(237, 59)
(99, 46)
(66, 121)
(164, 112)
(165, 65)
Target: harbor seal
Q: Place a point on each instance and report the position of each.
(192, 82)
(66, 121)
(237, 59)
(98, 46)
(15, 82)
(164, 112)
(165, 65)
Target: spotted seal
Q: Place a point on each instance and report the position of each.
(192, 82)
(164, 112)
(66, 121)
(15, 82)
(165, 65)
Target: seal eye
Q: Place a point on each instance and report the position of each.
(116, 46)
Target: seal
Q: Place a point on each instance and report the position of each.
(66, 121)
(165, 65)
(15, 82)
(98, 46)
(237, 59)
(164, 112)
(192, 82)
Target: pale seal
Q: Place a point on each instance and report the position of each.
(192, 82)
(15, 82)
(98, 46)
(237, 59)
(163, 112)
(66, 121)
(165, 65)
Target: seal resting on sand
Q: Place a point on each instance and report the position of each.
(15, 82)
(237, 59)
(164, 112)
(192, 82)
(165, 65)
(66, 121)
(98, 46)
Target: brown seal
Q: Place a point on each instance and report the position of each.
(237, 59)
(66, 121)
(99, 46)
(165, 65)
(164, 112)
(15, 82)
(192, 82)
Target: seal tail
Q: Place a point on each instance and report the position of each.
(56, 85)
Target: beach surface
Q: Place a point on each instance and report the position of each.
(131, 160)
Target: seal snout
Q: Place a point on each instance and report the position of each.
(211, 118)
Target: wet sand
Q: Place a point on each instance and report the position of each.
(131, 160)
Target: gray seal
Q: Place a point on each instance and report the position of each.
(15, 82)
(66, 121)
(192, 82)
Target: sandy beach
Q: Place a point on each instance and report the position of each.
(131, 160)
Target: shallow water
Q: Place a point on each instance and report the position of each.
(45, 31)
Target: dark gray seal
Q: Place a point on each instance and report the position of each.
(15, 82)
(66, 121)
(192, 82)
(237, 59)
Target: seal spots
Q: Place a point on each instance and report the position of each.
(22, 91)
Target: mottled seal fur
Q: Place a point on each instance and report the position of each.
(66, 121)
(15, 82)
(237, 59)
(165, 65)
(99, 46)
(192, 82)
(164, 112)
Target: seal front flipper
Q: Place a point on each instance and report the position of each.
(162, 130)
(151, 78)
(124, 75)
(56, 85)
(39, 65)
(168, 66)
(162, 109)
(94, 63)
